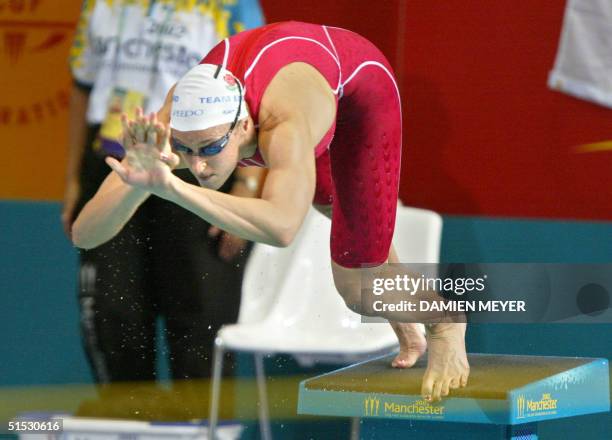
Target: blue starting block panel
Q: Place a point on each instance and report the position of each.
(502, 390)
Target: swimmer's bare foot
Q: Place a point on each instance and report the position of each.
(447, 364)
(412, 343)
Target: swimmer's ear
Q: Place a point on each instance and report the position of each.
(163, 115)
(244, 124)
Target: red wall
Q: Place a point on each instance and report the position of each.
(483, 134)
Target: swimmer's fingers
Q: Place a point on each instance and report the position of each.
(157, 133)
(140, 126)
(118, 168)
(170, 159)
(128, 135)
(163, 137)
(130, 175)
(139, 133)
(139, 115)
(163, 133)
(151, 130)
(162, 145)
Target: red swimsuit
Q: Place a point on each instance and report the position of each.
(358, 160)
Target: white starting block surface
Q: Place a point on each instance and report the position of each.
(78, 428)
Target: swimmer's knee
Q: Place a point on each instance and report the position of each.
(351, 300)
(350, 291)
(353, 304)
(348, 284)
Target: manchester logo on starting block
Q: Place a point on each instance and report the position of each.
(531, 408)
(372, 406)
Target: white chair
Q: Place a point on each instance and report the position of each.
(417, 237)
(264, 274)
(308, 318)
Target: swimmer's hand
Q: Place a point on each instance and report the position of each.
(149, 160)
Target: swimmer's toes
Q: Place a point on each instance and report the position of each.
(406, 358)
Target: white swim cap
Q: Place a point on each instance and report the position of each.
(206, 96)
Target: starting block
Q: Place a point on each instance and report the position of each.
(515, 391)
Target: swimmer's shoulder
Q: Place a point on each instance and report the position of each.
(298, 94)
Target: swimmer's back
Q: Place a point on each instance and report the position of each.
(256, 56)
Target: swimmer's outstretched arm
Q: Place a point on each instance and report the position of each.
(115, 202)
(274, 219)
(112, 206)
(286, 196)
(99, 222)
